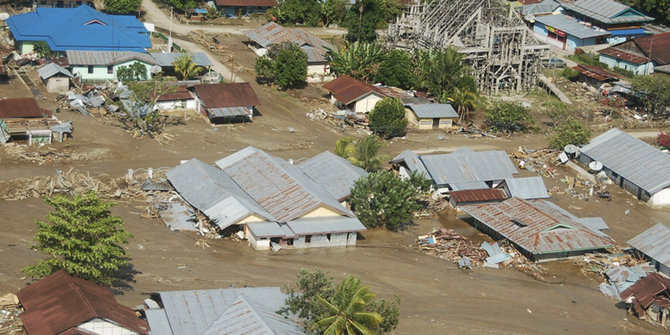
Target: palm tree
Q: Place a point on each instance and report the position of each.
(185, 67)
(466, 99)
(348, 310)
(367, 150)
(442, 70)
(356, 59)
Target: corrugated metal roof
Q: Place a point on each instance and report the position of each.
(86, 57)
(325, 225)
(20, 108)
(413, 162)
(424, 111)
(245, 3)
(347, 89)
(646, 289)
(180, 93)
(544, 7)
(247, 318)
(462, 167)
(596, 72)
(194, 312)
(60, 302)
(226, 95)
(281, 188)
(570, 26)
(480, 195)
(472, 185)
(594, 223)
(228, 112)
(158, 321)
(631, 158)
(332, 172)
(266, 229)
(214, 193)
(537, 226)
(607, 11)
(625, 55)
(165, 59)
(655, 243)
(52, 69)
(273, 33)
(527, 188)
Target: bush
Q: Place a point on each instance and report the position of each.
(570, 131)
(388, 119)
(663, 140)
(42, 49)
(623, 72)
(509, 117)
(285, 65)
(396, 70)
(570, 74)
(134, 72)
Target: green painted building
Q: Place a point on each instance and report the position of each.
(104, 65)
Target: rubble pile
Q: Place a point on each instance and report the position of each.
(601, 263)
(539, 161)
(47, 155)
(9, 315)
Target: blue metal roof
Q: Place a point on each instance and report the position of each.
(627, 32)
(81, 28)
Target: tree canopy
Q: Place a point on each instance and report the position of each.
(655, 93)
(509, 117)
(384, 199)
(81, 237)
(334, 11)
(347, 312)
(569, 131)
(388, 119)
(362, 20)
(133, 72)
(122, 6)
(285, 65)
(306, 12)
(42, 49)
(363, 152)
(396, 70)
(185, 67)
(358, 60)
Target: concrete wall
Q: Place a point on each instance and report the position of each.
(639, 69)
(58, 84)
(26, 47)
(318, 69)
(103, 327)
(180, 104)
(366, 104)
(660, 198)
(100, 72)
(258, 243)
(325, 241)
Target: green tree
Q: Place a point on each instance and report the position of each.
(659, 9)
(42, 49)
(384, 199)
(388, 119)
(509, 117)
(122, 6)
(363, 153)
(185, 67)
(569, 131)
(396, 70)
(442, 71)
(285, 64)
(81, 237)
(362, 20)
(356, 59)
(306, 12)
(134, 72)
(265, 70)
(140, 113)
(348, 310)
(466, 99)
(655, 93)
(334, 11)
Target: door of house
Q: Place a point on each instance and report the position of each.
(436, 123)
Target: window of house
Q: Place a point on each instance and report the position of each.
(110, 69)
(90, 69)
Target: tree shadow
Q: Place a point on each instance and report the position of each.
(124, 277)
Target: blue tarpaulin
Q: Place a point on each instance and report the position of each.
(627, 32)
(200, 11)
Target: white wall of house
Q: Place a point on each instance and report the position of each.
(104, 72)
(318, 69)
(58, 84)
(258, 243)
(104, 327)
(176, 104)
(326, 241)
(366, 104)
(660, 198)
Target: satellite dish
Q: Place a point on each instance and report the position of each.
(156, 69)
(4, 16)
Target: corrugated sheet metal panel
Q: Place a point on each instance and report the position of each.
(325, 225)
(266, 229)
(227, 112)
(82, 57)
(20, 108)
(226, 95)
(655, 243)
(425, 111)
(594, 223)
(214, 193)
(51, 69)
(645, 290)
(281, 188)
(474, 185)
(544, 7)
(631, 158)
(248, 318)
(607, 11)
(546, 229)
(527, 188)
(570, 26)
(413, 162)
(347, 89)
(332, 172)
(166, 59)
(463, 167)
(158, 321)
(273, 33)
(487, 194)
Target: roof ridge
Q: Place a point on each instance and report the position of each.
(77, 288)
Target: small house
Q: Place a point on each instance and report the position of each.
(640, 55)
(649, 299)
(595, 76)
(477, 196)
(431, 116)
(224, 103)
(539, 229)
(355, 95)
(232, 8)
(64, 304)
(654, 245)
(180, 98)
(55, 77)
(638, 167)
(104, 65)
(566, 32)
(621, 22)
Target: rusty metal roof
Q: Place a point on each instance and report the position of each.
(655, 243)
(226, 95)
(538, 226)
(645, 290)
(332, 172)
(481, 195)
(347, 89)
(61, 302)
(625, 55)
(181, 93)
(596, 72)
(273, 33)
(21, 108)
(88, 57)
(278, 186)
(245, 3)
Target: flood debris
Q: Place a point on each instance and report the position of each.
(9, 315)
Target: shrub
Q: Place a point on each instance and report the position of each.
(570, 131)
(388, 119)
(570, 74)
(509, 117)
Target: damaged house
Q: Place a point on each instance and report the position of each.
(649, 299)
(275, 203)
(22, 119)
(632, 164)
(224, 103)
(539, 229)
(654, 244)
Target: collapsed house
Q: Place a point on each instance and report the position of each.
(632, 164)
(541, 230)
(275, 203)
(640, 55)
(595, 76)
(22, 119)
(55, 77)
(649, 299)
(249, 310)
(654, 245)
(64, 304)
(166, 60)
(314, 47)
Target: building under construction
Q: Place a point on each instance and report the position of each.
(501, 50)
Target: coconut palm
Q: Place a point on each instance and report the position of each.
(185, 67)
(441, 71)
(348, 310)
(466, 99)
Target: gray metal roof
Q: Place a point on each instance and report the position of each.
(158, 322)
(594, 223)
(470, 185)
(195, 312)
(273, 33)
(655, 243)
(413, 162)
(334, 173)
(165, 59)
(462, 167)
(281, 188)
(546, 6)
(214, 193)
(84, 57)
(247, 318)
(424, 111)
(228, 112)
(267, 229)
(325, 225)
(607, 11)
(631, 158)
(527, 188)
(52, 69)
(570, 26)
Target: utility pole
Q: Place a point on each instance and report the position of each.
(232, 68)
(170, 36)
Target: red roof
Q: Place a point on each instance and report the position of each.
(347, 89)
(244, 3)
(481, 195)
(596, 72)
(180, 93)
(624, 55)
(646, 290)
(226, 95)
(21, 108)
(61, 302)
(641, 49)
